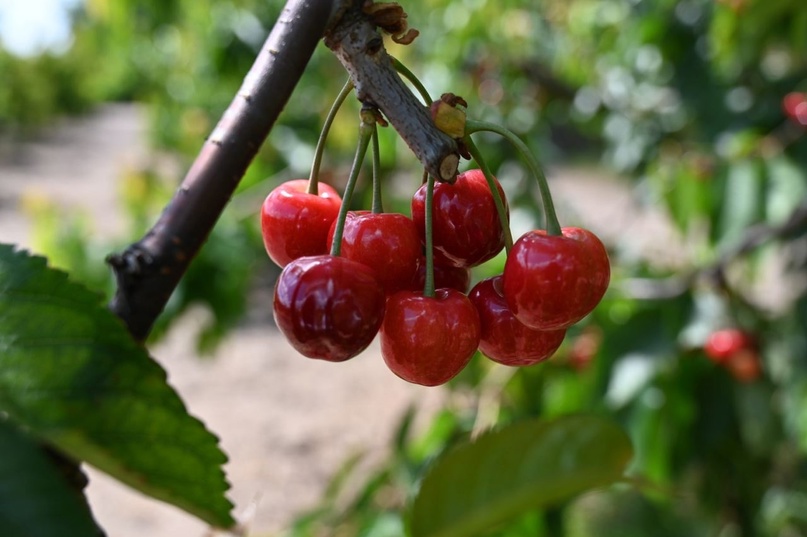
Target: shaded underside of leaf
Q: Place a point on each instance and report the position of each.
(525, 466)
(35, 498)
(71, 373)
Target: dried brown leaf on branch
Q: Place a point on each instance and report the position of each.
(391, 17)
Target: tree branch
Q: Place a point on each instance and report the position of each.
(149, 270)
(360, 48)
(753, 237)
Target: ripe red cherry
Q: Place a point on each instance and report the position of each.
(295, 223)
(466, 229)
(429, 340)
(504, 338)
(328, 307)
(723, 344)
(458, 278)
(551, 282)
(388, 243)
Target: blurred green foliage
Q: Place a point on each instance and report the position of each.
(34, 90)
(683, 97)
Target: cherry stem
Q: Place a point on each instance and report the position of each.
(428, 286)
(377, 204)
(424, 93)
(365, 133)
(497, 198)
(552, 225)
(313, 179)
(410, 76)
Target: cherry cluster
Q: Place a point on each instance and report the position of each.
(346, 280)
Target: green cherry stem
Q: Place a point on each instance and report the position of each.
(365, 133)
(552, 225)
(497, 198)
(428, 286)
(313, 179)
(410, 76)
(377, 204)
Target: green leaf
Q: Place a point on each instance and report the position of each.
(72, 375)
(35, 498)
(743, 199)
(689, 198)
(786, 190)
(525, 466)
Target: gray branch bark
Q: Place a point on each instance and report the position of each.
(360, 48)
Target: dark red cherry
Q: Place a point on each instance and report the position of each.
(458, 278)
(466, 227)
(504, 338)
(388, 243)
(429, 340)
(328, 307)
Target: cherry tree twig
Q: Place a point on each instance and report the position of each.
(149, 270)
(754, 237)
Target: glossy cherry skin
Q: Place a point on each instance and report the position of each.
(723, 344)
(427, 340)
(388, 243)
(466, 227)
(328, 307)
(503, 338)
(295, 223)
(551, 282)
(458, 278)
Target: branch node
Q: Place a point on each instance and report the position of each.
(448, 168)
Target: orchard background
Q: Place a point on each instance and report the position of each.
(695, 106)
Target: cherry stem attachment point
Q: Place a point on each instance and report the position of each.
(378, 206)
(552, 224)
(428, 286)
(497, 198)
(313, 178)
(366, 128)
(410, 76)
